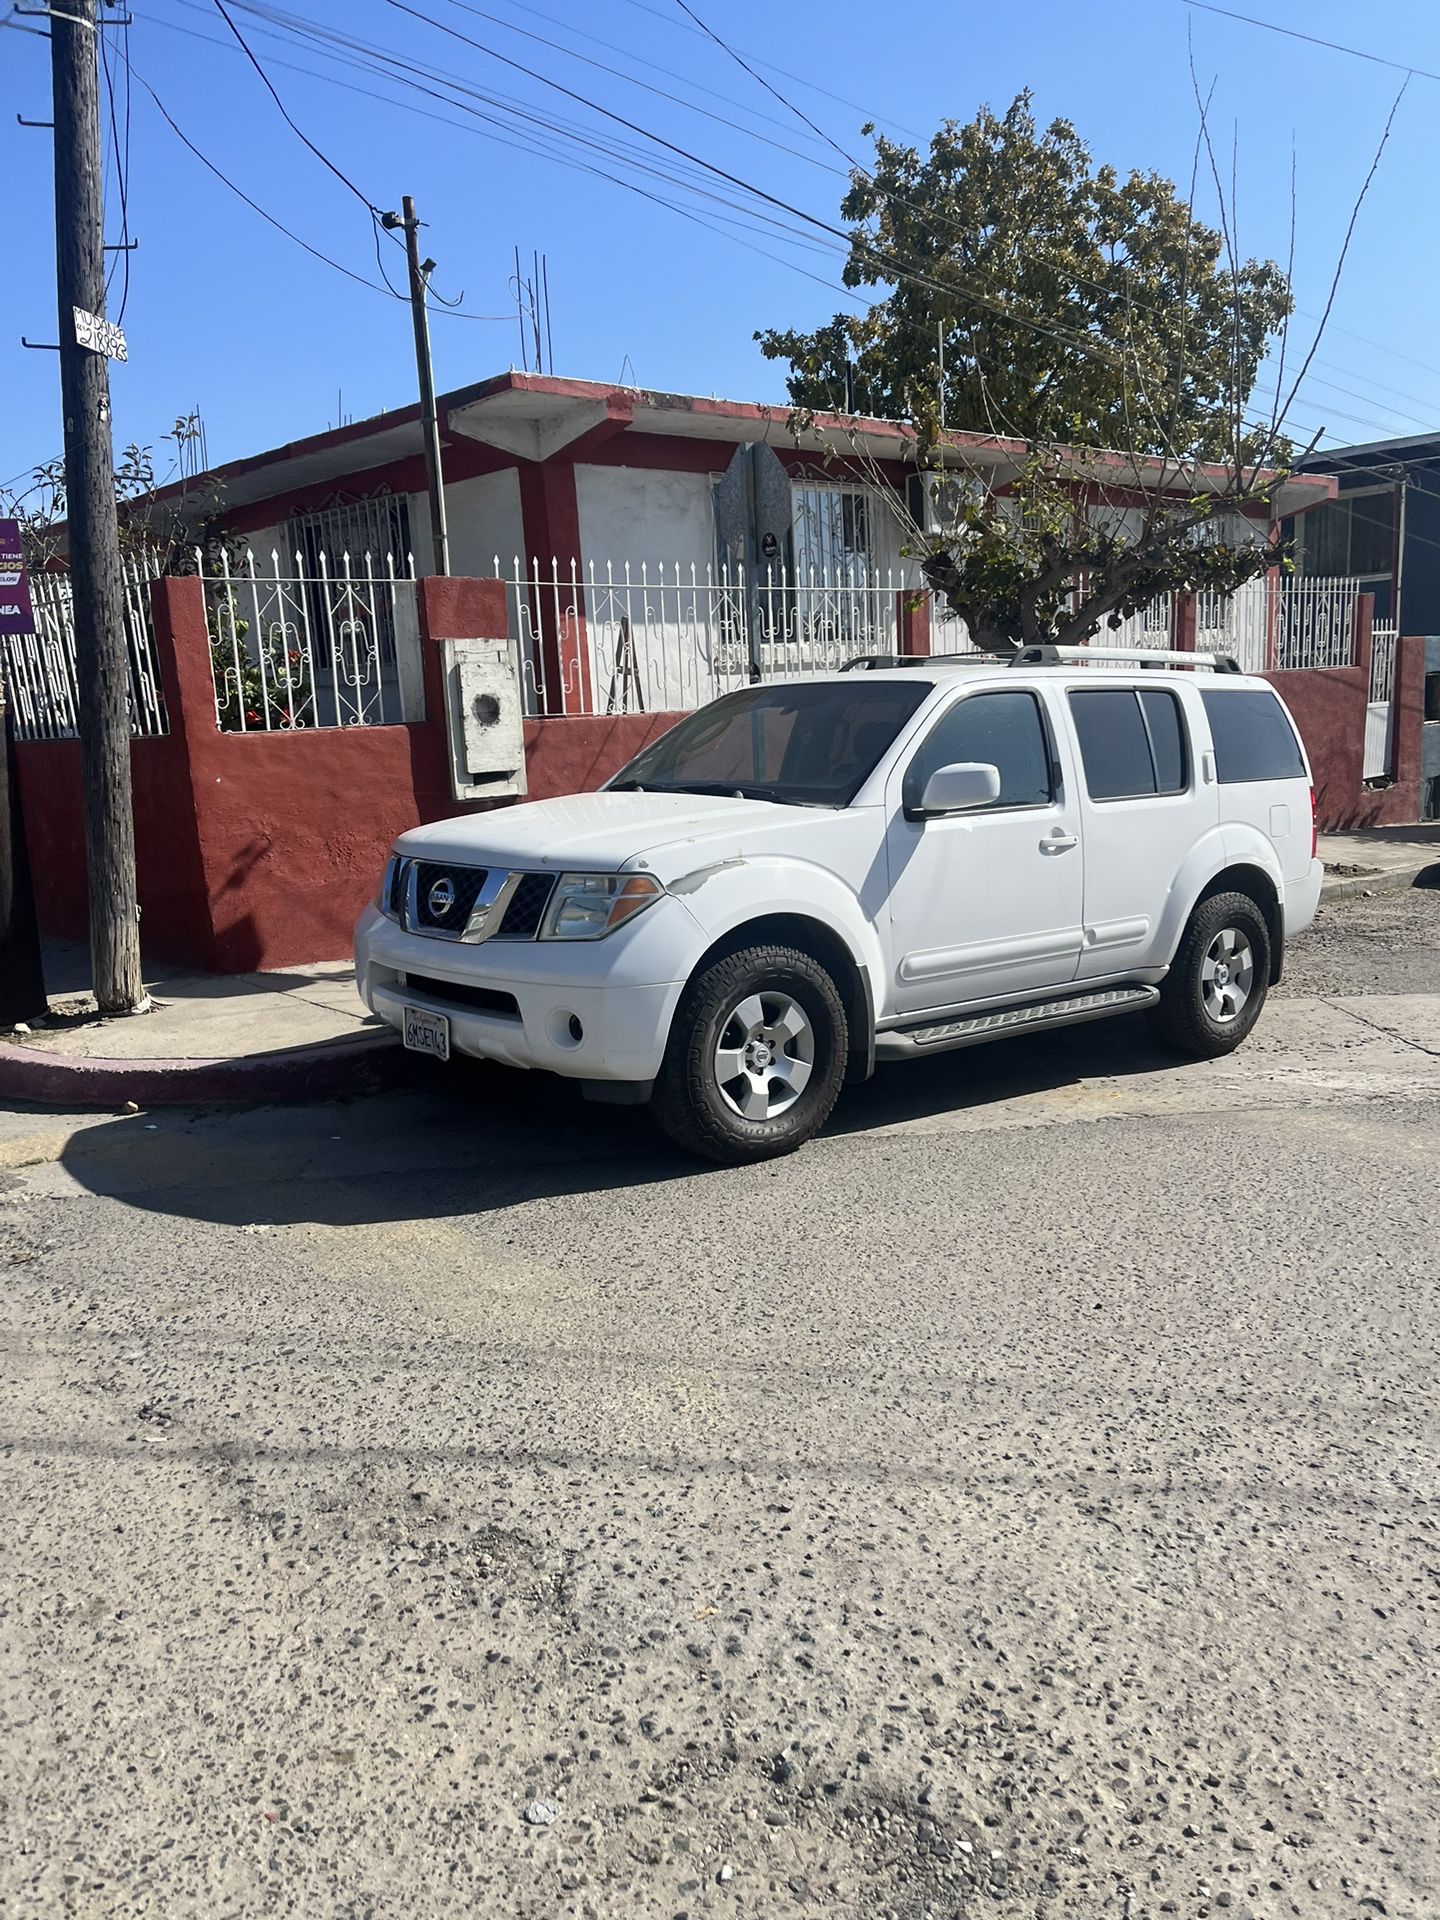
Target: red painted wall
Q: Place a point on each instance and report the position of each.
(1329, 709)
(169, 871)
(259, 850)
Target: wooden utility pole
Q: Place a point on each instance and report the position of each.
(429, 421)
(101, 657)
(22, 979)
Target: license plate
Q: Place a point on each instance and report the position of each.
(427, 1033)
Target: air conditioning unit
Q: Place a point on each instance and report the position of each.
(936, 499)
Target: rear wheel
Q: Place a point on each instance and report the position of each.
(1214, 991)
(756, 1056)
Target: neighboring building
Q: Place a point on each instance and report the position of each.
(1383, 528)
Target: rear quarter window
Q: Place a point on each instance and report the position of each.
(1253, 737)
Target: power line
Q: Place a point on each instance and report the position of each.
(785, 74)
(122, 171)
(654, 66)
(266, 215)
(309, 30)
(617, 73)
(324, 159)
(759, 80)
(898, 268)
(705, 167)
(536, 143)
(1314, 40)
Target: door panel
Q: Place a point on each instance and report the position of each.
(988, 903)
(1135, 841)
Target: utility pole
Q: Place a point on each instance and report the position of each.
(100, 650)
(420, 271)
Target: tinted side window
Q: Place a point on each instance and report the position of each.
(1253, 738)
(1114, 744)
(1001, 730)
(1167, 739)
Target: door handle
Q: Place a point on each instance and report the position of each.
(1058, 842)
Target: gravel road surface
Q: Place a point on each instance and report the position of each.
(1023, 1502)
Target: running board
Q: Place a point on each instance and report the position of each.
(935, 1036)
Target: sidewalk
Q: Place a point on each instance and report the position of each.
(1379, 859)
(301, 1034)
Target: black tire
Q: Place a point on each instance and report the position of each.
(1187, 1019)
(689, 1100)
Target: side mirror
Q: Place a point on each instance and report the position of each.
(961, 788)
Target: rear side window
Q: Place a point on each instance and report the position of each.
(1253, 738)
(1002, 730)
(1132, 743)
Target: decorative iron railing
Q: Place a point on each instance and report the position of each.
(41, 671)
(309, 647)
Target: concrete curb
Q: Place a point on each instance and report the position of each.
(335, 1068)
(1387, 880)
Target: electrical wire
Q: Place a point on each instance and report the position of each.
(897, 267)
(759, 80)
(1314, 40)
(264, 213)
(324, 159)
(629, 78)
(310, 30)
(799, 79)
(835, 234)
(121, 262)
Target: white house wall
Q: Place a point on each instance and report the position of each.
(645, 536)
(484, 521)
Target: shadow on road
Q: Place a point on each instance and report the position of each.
(474, 1140)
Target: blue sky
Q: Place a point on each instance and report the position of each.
(226, 314)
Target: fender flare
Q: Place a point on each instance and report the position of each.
(734, 894)
(1218, 850)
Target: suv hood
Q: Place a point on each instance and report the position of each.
(600, 831)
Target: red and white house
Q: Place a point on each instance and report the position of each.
(642, 551)
(630, 527)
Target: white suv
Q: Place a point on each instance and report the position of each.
(806, 877)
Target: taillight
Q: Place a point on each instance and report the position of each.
(1314, 825)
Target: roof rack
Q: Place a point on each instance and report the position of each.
(883, 662)
(1049, 656)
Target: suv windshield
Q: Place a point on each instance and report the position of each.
(807, 745)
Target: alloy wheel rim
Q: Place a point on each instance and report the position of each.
(1227, 975)
(765, 1055)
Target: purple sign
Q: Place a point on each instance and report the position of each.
(16, 615)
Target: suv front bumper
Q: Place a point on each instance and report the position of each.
(621, 990)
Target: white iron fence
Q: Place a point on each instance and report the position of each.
(299, 642)
(1379, 755)
(645, 639)
(312, 646)
(1315, 623)
(1385, 637)
(40, 668)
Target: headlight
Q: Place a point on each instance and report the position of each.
(587, 906)
(385, 898)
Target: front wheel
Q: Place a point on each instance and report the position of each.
(756, 1057)
(1213, 993)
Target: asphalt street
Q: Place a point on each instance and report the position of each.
(1021, 1502)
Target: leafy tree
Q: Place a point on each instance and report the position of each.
(1036, 298)
(1073, 306)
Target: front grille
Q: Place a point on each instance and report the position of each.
(396, 901)
(464, 883)
(527, 907)
(486, 999)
